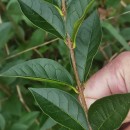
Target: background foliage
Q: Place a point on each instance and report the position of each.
(20, 40)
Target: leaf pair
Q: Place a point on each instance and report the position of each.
(87, 35)
(59, 105)
(46, 14)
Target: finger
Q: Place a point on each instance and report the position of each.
(112, 79)
(109, 80)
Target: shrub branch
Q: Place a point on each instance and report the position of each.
(79, 85)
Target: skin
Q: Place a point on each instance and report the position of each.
(114, 78)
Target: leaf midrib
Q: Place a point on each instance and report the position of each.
(45, 80)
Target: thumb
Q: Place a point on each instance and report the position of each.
(114, 78)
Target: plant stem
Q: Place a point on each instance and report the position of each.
(32, 48)
(79, 85)
(23, 102)
(64, 8)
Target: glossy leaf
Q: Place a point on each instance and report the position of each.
(61, 107)
(76, 13)
(43, 15)
(41, 70)
(108, 113)
(116, 34)
(88, 41)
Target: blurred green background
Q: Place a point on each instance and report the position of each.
(20, 40)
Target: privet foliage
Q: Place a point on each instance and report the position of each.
(84, 30)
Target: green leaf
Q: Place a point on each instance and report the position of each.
(41, 70)
(54, 2)
(88, 41)
(126, 33)
(109, 112)
(28, 119)
(48, 124)
(76, 13)
(6, 33)
(111, 3)
(43, 15)
(2, 122)
(63, 128)
(37, 38)
(19, 127)
(58, 3)
(61, 107)
(116, 34)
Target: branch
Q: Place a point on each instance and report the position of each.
(30, 49)
(5, 90)
(21, 99)
(64, 8)
(23, 102)
(79, 85)
(15, 26)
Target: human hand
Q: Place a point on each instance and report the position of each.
(114, 78)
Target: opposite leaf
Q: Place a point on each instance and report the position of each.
(43, 15)
(41, 70)
(75, 15)
(108, 113)
(61, 107)
(88, 41)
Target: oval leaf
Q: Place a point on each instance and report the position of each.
(61, 107)
(88, 41)
(43, 15)
(108, 113)
(41, 70)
